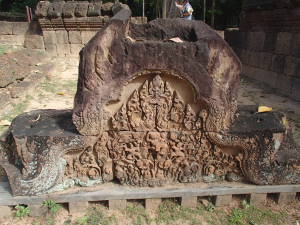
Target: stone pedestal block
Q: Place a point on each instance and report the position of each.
(286, 197)
(258, 199)
(152, 204)
(117, 204)
(189, 201)
(222, 200)
(78, 207)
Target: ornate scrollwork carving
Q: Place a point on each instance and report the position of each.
(157, 138)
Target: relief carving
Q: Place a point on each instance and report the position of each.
(156, 138)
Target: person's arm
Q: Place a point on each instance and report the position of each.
(178, 5)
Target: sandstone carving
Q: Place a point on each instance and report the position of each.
(78, 15)
(150, 112)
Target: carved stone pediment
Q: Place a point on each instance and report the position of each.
(155, 138)
(155, 107)
(133, 123)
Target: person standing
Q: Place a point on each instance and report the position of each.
(186, 10)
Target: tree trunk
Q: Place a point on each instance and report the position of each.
(204, 10)
(213, 13)
(164, 9)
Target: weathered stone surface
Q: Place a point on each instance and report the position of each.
(51, 49)
(75, 37)
(49, 37)
(145, 58)
(20, 28)
(278, 63)
(222, 200)
(63, 50)
(51, 134)
(265, 60)
(6, 27)
(76, 48)
(270, 42)
(94, 9)
(276, 20)
(144, 118)
(62, 37)
(81, 9)
(258, 199)
(295, 45)
(12, 39)
(34, 42)
(236, 38)
(117, 7)
(255, 41)
(55, 9)
(138, 20)
(265, 76)
(292, 66)
(283, 43)
(286, 197)
(87, 36)
(42, 8)
(78, 207)
(106, 9)
(78, 15)
(296, 89)
(69, 9)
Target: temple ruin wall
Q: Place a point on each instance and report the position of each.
(268, 44)
(58, 42)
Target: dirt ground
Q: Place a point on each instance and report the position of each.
(56, 91)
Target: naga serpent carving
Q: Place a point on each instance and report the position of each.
(154, 135)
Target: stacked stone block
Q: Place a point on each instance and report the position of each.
(64, 43)
(68, 26)
(13, 33)
(270, 57)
